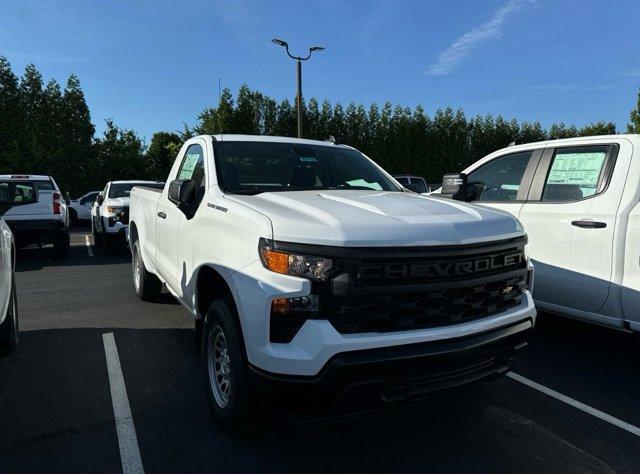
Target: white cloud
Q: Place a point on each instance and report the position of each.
(489, 30)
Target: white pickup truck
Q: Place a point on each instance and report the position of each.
(316, 280)
(33, 207)
(579, 202)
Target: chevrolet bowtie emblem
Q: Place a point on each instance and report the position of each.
(507, 289)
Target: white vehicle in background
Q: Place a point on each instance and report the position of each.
(80, 209)
(33, 207)
(315, 278)
(579, 202)
(9, 336)
(110, 212)
(417, 184)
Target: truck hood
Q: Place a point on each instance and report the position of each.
(117, 202)
(378, 218)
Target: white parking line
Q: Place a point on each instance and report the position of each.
(576, 404)
(127, 438)
(87, 242)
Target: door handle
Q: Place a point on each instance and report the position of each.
(589, 224)
(162, 215)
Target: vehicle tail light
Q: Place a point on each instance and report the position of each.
(57, 208)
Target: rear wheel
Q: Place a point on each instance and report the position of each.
(9, 329)
(229, 389)
(146, 284)
(61, 244)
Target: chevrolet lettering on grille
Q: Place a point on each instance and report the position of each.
(448, 268)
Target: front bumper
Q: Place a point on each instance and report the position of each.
(361, 381)
(317, 342)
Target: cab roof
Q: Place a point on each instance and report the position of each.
(24, 177)
(269, 139)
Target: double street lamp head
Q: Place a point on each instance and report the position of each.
(285, 45)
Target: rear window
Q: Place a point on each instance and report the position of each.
(43, 185)
(120, 190)
(16, 192)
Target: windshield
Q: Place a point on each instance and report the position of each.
(256, 167)
(12, 192)
(120, 190)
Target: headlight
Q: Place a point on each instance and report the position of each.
(287, 263)
(114, 210)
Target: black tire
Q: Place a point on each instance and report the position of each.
(61, 244)
(10, 328)
(146, 285)
(237, 412)
(107, 243)
(97, 237)
(73, 217)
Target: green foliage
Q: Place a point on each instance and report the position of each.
(47, 130)
(161, 154)
(400, 139)
(634, 118)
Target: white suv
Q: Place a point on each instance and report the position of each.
(110, 213)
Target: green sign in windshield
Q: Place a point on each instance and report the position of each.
(189, 166)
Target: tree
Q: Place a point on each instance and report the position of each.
(162, 152)
(598, 128)
(120, 155)
(10, 116)
(634, 118)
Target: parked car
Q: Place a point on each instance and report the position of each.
(313, 276)
(80, 209)
(110, 213)
(9, 335)
(416, 184)
(578, 200)
(33, 207)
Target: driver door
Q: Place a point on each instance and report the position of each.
(504, 182)
(169, 220)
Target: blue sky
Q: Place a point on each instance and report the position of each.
(152, 64)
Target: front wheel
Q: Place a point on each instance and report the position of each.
(229, 389)
(9, 329)
(97, 237)
(146, 284)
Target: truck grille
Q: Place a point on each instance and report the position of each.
(404, 289)
(418, 310)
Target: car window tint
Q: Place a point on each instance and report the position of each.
(499, 179)
(574, 173)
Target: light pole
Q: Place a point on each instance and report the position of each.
(299, 60)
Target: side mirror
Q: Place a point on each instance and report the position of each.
(454, 185)
(100, 199)
(182, 191)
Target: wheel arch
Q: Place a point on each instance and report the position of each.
(211, 286)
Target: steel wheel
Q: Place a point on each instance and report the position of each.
(137, 271)
(219, 366)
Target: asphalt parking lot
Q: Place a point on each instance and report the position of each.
(56, 410)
